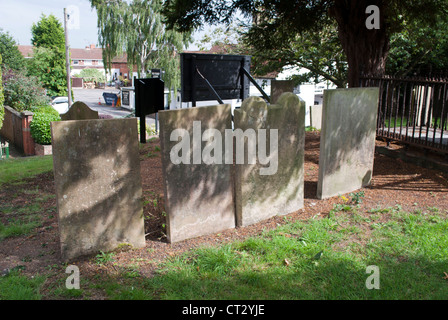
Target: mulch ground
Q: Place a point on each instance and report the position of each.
(394, 183)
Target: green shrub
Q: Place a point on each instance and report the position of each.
(40, 125)
(90, 74)
(22, 92)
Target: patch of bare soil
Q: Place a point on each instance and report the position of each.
(394, 183)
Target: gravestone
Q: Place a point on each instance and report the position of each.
(79, 111)
(278, 87)
(260, 195)
(199, 196)
(316, 116)
(347, 140)
(98, 185)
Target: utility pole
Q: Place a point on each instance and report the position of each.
(67, 59)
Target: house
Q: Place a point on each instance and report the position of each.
(89, 57)
(120, 69)
(26, 51)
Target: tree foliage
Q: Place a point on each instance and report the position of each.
(419, 50)
(48, 65)
(137, 29)
(279, 24)
(92, 74)
(48, 32)
(48, 62)
(12, 58)
(317, 51)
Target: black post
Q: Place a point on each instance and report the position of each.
(246, 73)
(193, 82)
(142, 129)
(210, 87)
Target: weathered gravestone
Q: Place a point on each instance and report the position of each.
(79, 111)
(98, 185)
(278, 87)
(347, 140)
(274, 184)
(198, 189)
(316, 116)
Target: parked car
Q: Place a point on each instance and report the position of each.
(60, 104)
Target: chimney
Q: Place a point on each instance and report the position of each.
(92, 46)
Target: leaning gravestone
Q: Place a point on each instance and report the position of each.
(198, 185)
(79, 111)
(98, 185)
(272, 185)
(347, 140)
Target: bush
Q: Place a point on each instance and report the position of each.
(90, 74)
(40, 125)
(22, 92)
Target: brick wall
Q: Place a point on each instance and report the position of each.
(16, 129)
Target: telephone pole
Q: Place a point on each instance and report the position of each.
(67, 60)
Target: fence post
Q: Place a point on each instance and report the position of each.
(28, 142)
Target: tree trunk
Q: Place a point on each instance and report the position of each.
(366, 49)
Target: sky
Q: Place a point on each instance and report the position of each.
(17, 17)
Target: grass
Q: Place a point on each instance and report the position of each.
(13, 170)
(21, 219)
(310, 128)
(398, 122)
(319, 259)
(19, 225)
(16, 286)
(324, 258)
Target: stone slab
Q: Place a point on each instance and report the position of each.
(262, 196)
(278, 87)
(80, 111)
(347, 140)
(316, 116)
(43, 150)
(199, 196)
(98, 185)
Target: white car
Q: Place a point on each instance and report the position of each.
(60, 104)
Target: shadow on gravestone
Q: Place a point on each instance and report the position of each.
(259, 197)
(347, 144)
(79, 111)
(198, 196)
(98, 185)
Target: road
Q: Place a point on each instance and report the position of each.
(94, 99)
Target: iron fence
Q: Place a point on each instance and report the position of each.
(412, 110)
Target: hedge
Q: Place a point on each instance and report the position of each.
(40, 125)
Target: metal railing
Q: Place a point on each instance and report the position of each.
(412, 110)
